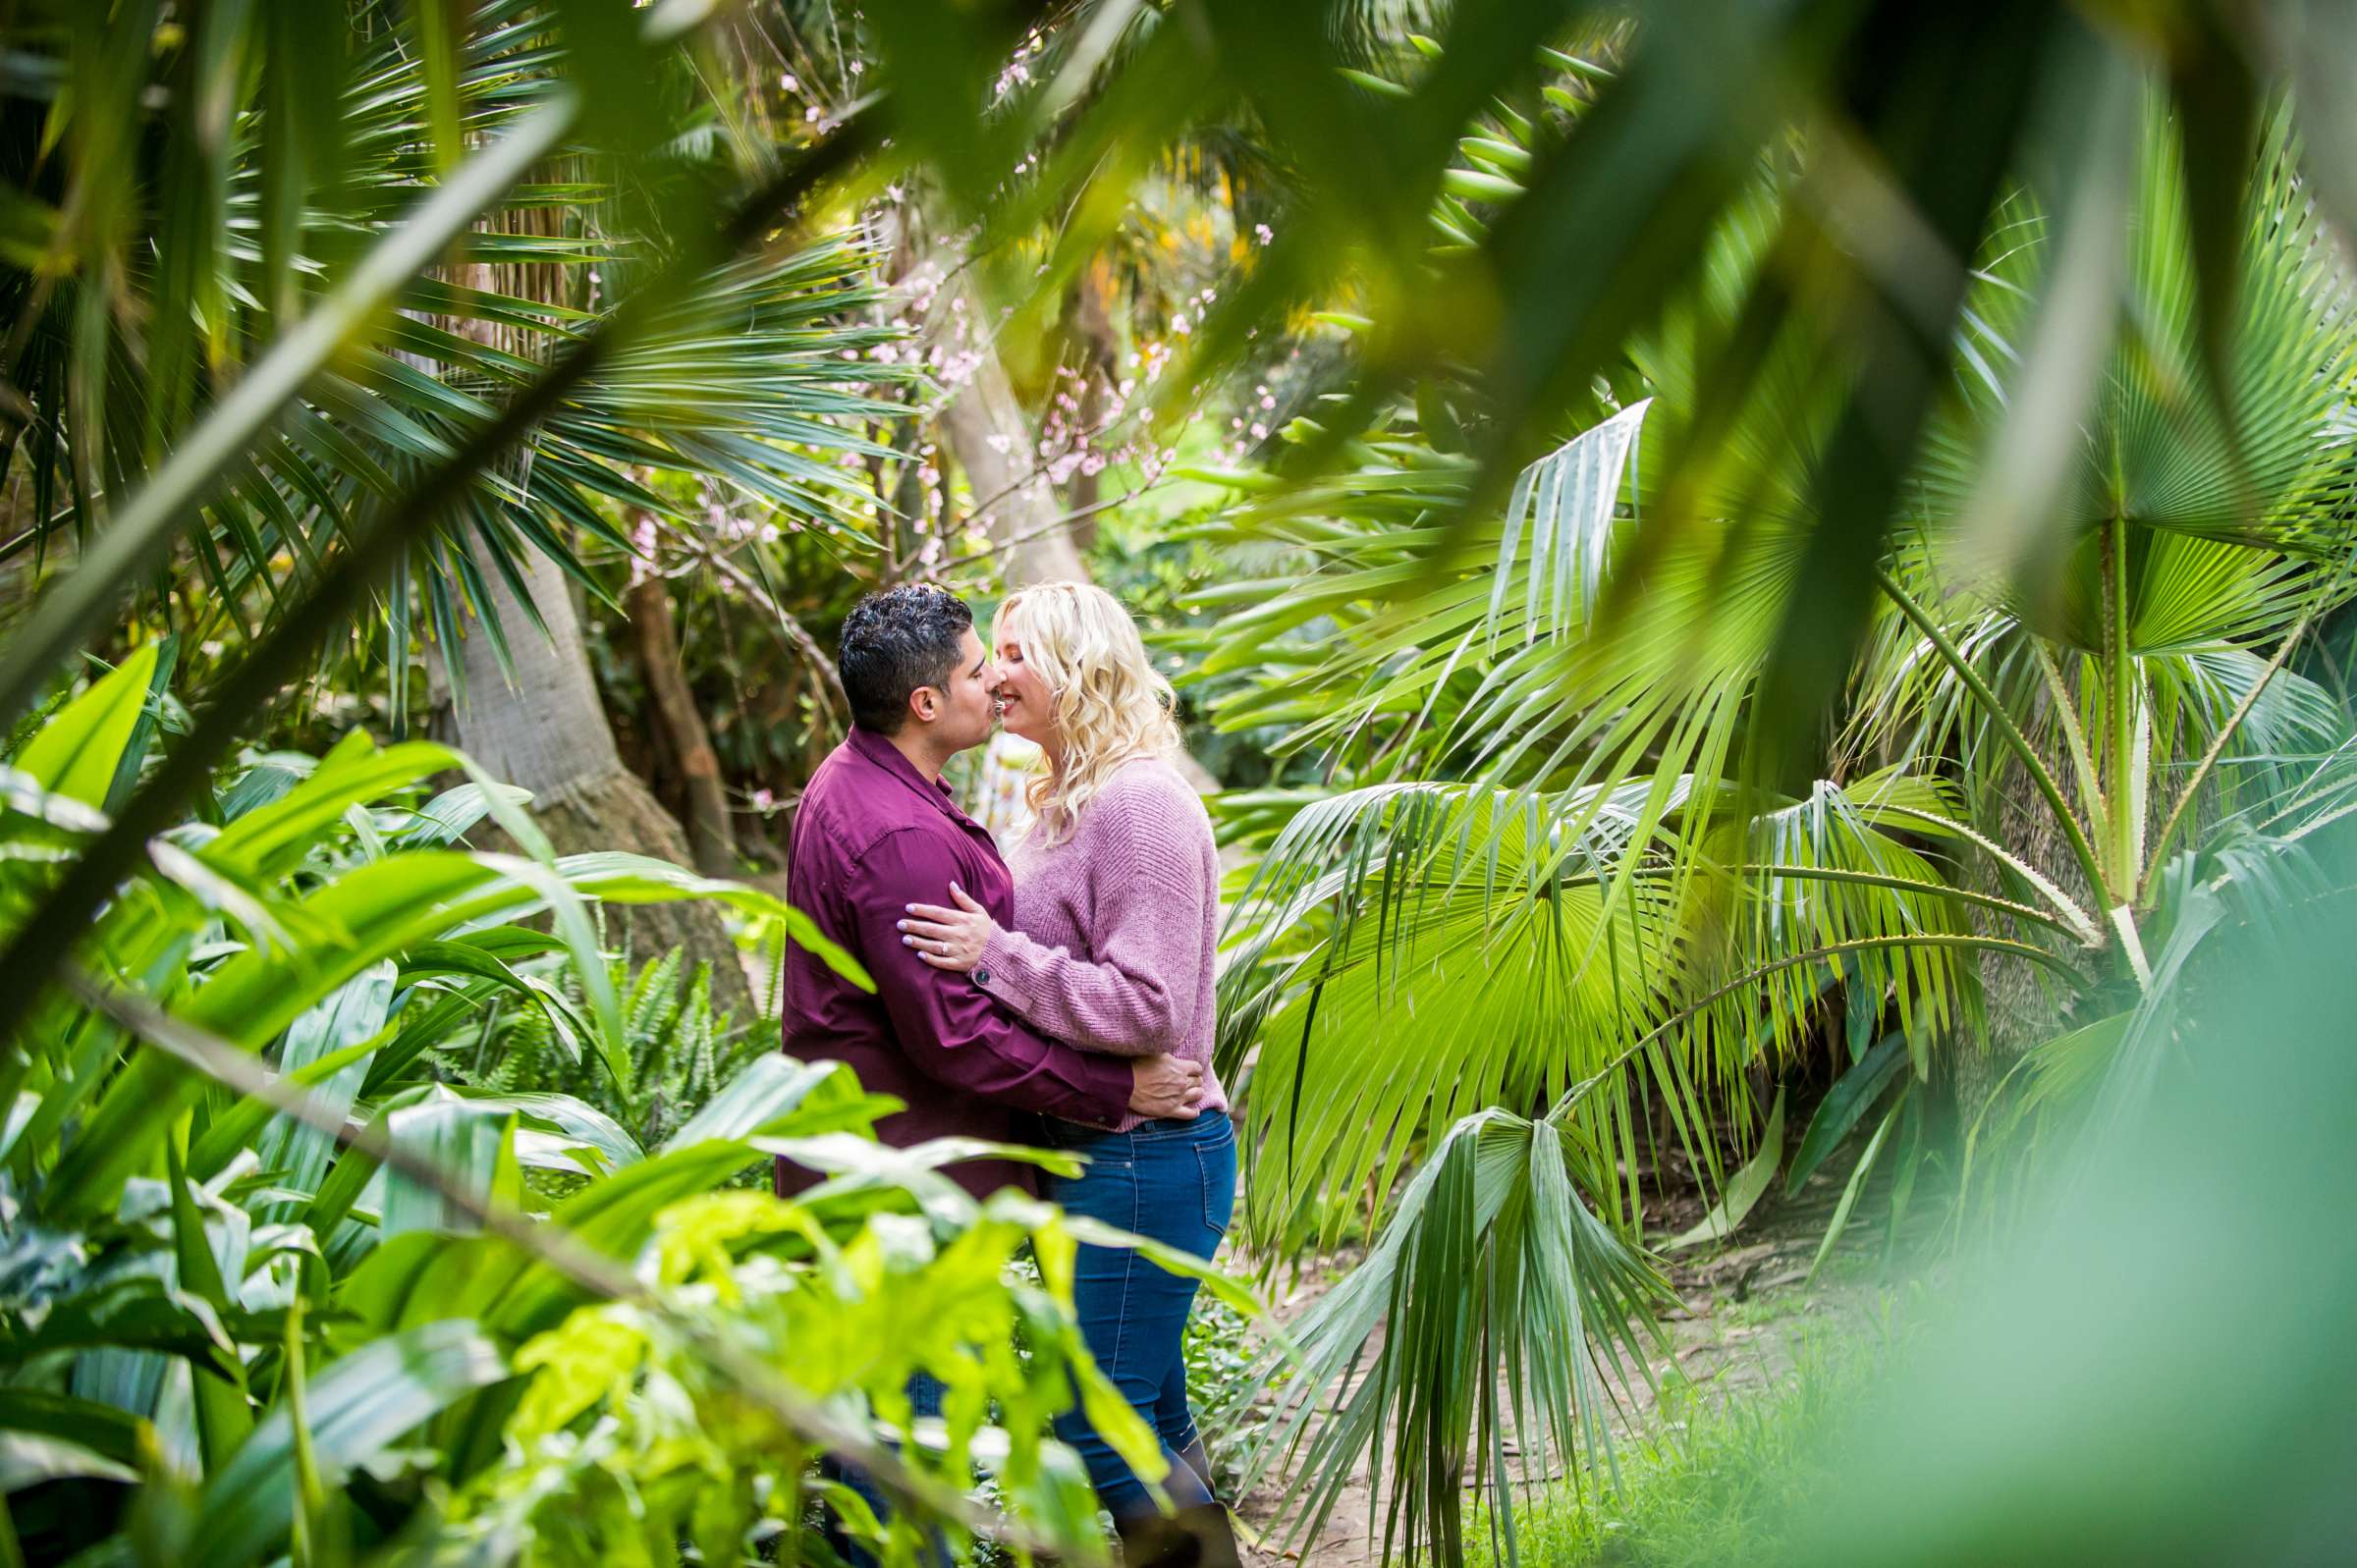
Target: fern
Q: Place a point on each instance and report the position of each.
(678, 1051)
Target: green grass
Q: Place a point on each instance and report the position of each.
(1715, 1474)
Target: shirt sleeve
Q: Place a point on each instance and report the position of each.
(1138, 993)
(951, 1030)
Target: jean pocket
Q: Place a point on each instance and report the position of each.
(1215, 1163)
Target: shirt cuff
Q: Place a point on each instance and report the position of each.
(1110, 1081)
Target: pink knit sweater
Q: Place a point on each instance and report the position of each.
(1116, 927)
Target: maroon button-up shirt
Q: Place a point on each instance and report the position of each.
(872, 836)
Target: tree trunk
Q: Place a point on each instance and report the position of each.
(1088, 321)
(548, 734)
(1013, 501)
(983, 423)
(990, 436)
(709, 835)
(2024, 1001)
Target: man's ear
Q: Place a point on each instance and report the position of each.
(924, 704)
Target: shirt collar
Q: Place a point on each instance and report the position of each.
(879, 750)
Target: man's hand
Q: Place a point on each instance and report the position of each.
(1164, 1086)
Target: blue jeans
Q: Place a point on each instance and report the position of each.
(1173, 1181)
(925, 1393)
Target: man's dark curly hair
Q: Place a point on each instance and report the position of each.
(894, 641)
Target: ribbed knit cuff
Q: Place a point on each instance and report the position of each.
(1001, 971)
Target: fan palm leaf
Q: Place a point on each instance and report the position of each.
(741, 380)
(1553, 876)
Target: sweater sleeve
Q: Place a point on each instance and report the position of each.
(1150, 900)
(949, 1030)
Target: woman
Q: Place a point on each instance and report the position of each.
(1117, 909)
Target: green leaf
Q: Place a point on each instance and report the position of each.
(1476, 186)
(77, 752)
(471, 1141)
(140, 1312)
(354, 1014)
(142, 732)
(577, 1124)
(1488, 1246)
(270, 837)
(360, 1407)
(1851, 1096)
(1375, 84)
(235, 1127)
(27, 1458)
(571, 917)
(224, 1416)
(643, 879)
(1229, 1289)
(572, 1031)
(1855, 1186)
(1744, 1189)
(440, 27)
(818, 1095)
(111, 1432)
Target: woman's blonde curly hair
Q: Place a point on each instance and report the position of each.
(1110, 704)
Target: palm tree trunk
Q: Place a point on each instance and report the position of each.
(547, 732)
(2025, 1009)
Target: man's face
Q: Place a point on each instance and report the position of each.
(964, 709)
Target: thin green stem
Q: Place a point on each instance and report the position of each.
(2067, 716)
(2217, 748)
(2080, 920)
(311, 1496)
(1865, 879)
(2121, 701)
(2091, 865)
(1932, 889)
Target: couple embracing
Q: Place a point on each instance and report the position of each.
(1070, 990)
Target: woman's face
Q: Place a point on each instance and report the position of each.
(1026, 707)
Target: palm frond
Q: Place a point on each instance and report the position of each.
(1491, 1271)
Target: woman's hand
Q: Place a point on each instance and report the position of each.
(949, 939)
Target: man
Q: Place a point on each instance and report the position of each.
(878, 832)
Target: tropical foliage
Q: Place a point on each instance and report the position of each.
(254, 1245)
(1564, 874)
(264, 1264)
(121, 356)
(1770, 533)
(677, 1051)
